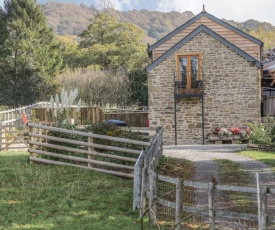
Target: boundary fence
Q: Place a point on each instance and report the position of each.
(13, 116)
(212, 212)
(93, 115)
(146, 160)
(86, 153)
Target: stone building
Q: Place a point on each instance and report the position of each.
(203, 75)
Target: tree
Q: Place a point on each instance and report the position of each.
(98, 87)
(139, 87)
(113, 45)
(32, 57)
(266, 36)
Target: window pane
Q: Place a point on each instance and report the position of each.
(183, 70)
(194, 68)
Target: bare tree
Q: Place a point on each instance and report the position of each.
(98, 87)
(104, 4)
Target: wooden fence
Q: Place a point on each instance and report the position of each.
(93, 115)
(84, 153)
(146, 160)
(13, 136)
(213, 211)
(13, 116)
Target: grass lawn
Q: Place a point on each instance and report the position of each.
(34, 196)
(267, 158)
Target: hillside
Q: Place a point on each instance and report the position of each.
(71, 18)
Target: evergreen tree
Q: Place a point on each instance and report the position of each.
(32, 57)
(139, 87)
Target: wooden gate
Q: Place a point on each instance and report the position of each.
(13, 136)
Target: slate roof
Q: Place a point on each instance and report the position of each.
(197, 17)
(193, 34)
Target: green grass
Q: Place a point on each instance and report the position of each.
(232, 173)
(267, 158)
(35, 196)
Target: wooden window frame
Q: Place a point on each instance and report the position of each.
(188, 56)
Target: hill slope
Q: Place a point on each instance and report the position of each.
(71, 18)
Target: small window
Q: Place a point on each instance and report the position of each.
(188, 72)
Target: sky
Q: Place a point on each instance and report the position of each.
(237, 10)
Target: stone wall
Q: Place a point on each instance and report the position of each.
(231, 92)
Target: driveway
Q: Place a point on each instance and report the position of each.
(206, 168)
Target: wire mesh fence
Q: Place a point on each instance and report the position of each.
(183, 204)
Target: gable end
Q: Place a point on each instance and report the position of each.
(211, 33)
(197, 17)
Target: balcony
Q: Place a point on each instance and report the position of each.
(194, 88)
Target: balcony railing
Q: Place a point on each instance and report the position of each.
(193, 89)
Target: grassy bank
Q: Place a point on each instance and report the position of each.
(267, 158)
(36, 196)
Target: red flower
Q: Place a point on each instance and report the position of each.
(24, 119)
(235, 131)
(216, 131)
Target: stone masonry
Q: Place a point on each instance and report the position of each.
(231, 92)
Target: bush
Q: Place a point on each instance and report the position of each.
(65, 136)
(263, 133)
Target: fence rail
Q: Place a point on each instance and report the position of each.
(85, 153)
(13, 116)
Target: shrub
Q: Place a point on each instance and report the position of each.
(65, 136)
(263, 133)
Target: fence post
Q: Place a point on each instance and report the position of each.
(152, 196)
(178, 203)
(143, 189)
(263, 204)
(31, 146)
(1, 137)
(39, 131)
(90, 149)
(211, 190)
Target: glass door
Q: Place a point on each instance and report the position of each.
(188, 74)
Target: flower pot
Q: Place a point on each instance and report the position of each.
(214, 138)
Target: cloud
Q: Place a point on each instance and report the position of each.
(232, 10)
(134, 4)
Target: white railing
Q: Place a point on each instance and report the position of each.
(13, 116)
